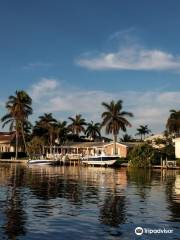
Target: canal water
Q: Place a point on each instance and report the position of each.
(52, 203)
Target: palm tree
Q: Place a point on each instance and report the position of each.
(114, 119)
(173, 122)
(93, 130)
(142, 131)
(77, 125)
(19, 109)
(126, 138)
(62, 131)
(46, 126)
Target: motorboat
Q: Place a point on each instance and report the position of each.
(100, 160)
(42, 162)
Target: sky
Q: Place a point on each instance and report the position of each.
(70, 56)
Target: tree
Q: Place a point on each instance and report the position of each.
(143, 130)
(93, 130)
(126, 138)
(35, 146)
(62, 131)
(19, 109)
(173, 122)
(141, 156)
(77, 125)
(47, 127)
(114, 119)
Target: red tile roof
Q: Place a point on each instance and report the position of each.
(7, 137)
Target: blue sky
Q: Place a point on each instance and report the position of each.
(71, 55)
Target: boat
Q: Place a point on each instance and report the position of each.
(42, 162)
(100, 160)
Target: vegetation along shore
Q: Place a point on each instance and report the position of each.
(50, 134)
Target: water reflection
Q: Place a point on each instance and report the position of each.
(172, 182)
(81, 201)
(112, 211)
(142, 179)
(15, 217)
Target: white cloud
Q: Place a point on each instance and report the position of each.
(50, 95)
(152, 108)
(132, 58)
(43, 88)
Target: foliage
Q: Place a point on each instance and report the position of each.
(143, 131)
(159, 141)
(173, 122)
(114, 119)
(126, 138)
(78, 124)
(178, 162)
(93, 130)
(35, 146)
(141, 155)
(62, 132)
(120, 161)
(168, 151)
(19, 109)
(46, 128)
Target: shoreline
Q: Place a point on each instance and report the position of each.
(24, 161)
(13, 161)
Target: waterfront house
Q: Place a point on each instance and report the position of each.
(7, 141)
(89, 148)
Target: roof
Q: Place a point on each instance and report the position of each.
(7, 137)
(132, 144)
(88, 144)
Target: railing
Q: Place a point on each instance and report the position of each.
(169, 163)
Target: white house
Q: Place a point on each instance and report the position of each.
(177, 147)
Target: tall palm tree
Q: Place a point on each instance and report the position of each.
(46, 126)
(19, 109)
(93, 130)
(173, 122)
(143, 130)
(62, 131)
(114, 119)
(77, 125)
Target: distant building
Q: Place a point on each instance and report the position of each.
(155, 136)
(157, 140)
(7, 141)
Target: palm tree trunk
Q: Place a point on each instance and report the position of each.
(16, 147)
(51, 143)
(114, 140)
(25, 145)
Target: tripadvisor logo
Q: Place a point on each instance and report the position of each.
(139, 231)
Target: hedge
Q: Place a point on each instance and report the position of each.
(9, 155)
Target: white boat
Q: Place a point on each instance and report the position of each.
(100, 160)
(42, 162)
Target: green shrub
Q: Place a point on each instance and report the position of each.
(141, 156)
(120, 161)
(169, 151)
(178, 162)
(9, 155)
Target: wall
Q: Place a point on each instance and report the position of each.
(121, 150)
(177, 147)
